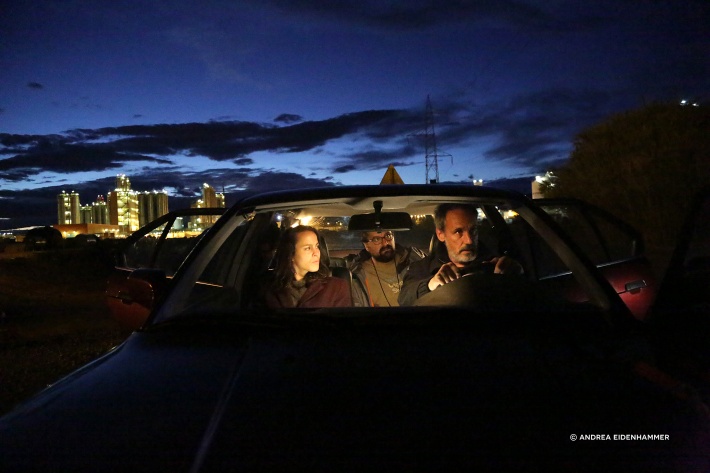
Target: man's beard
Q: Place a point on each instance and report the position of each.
(461, 258)
(386, 254)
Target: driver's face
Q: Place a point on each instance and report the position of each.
(460, 236)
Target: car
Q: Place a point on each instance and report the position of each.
(615, 247)
(489, 372)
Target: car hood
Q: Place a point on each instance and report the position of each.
(348, 396)
(152, 396)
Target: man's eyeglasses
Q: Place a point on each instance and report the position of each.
(378, 239)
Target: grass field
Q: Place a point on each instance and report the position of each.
(53, 318)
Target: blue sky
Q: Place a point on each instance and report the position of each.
(259, 95)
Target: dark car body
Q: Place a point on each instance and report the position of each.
(517, 378)
(680, 319)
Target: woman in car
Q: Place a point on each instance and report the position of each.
(301, 279)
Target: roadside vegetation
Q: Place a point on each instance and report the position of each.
(643, 165)
(52, 317)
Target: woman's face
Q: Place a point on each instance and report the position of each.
(307, 255)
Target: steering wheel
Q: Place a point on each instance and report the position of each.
(486, 292)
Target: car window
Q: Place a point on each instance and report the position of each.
(240, 264)
(159, 249)
(578, 227)
(238, 270)
(141, 253)
(173, 251)
(619, 244)
(222, 265)
(538, 259)
(342, 242)
(243, 261)
(603, 238)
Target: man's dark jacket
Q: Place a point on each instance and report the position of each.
(416, 280)
(405, 256)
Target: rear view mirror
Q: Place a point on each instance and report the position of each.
(380, 221)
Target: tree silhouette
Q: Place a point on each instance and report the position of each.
(643, 165)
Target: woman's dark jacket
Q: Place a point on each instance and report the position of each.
(325, 292)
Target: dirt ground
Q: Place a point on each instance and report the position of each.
(52, 318)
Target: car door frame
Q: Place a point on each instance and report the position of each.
(632, 277)
(131, 293)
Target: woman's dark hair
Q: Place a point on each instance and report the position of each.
(285, 250)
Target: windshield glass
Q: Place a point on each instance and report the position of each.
(307, 256)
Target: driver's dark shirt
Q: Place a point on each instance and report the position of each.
(416, 279)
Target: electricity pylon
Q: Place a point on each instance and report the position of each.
(432, 154)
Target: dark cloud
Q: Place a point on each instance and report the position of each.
(374, 160)
(529, 130)
(308, 135)
(344, 169)
(230, 140)
(33, 155)
(35, 85)
(420, 14)
(533, 131)
(107, 148)
(270, 181)
(16, 176)
(288, 118)
(137, 115)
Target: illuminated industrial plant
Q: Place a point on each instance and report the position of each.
(126, 210)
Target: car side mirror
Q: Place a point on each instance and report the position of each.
(130, 300)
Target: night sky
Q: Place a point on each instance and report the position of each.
(259, 95)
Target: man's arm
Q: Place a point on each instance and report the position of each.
(360, 296)
(421, 279)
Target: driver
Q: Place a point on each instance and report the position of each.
(456, 229)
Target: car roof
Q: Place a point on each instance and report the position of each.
(360, 198)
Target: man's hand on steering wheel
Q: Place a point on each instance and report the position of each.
(447, 273)
(506, 265)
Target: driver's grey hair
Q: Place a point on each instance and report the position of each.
(443, 209)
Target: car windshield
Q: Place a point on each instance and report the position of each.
(236, 271)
